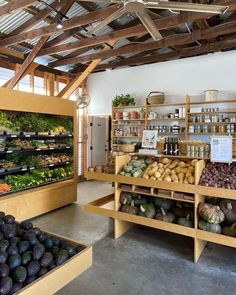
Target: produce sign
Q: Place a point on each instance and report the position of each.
(219, 216)
(221, 149)
(157, 208)
(27, 253)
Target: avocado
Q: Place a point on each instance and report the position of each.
(61, 257)
(33, 268)
(4, 244)
(29, 280)
(31, 237)
(9, 219)
(47, 259)
(2, 222)
(42, 237)
(80, 248)
(23, 246)
(38, 251)
(2, 215)
(12, 250)
(19, 274)
(56, 242)
(55, 251)
(48, 243)
(1, 236)
(4, 270)
(8, 231)
(26, 257)
(15, 288)
(26, 225)
(70, 249)
(37, 231)
(52, 265)
(13, 261)
(14, 241)
(5, 285)
(19, 231)
(3, 257)
(42, 271)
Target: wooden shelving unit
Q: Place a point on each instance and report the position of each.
(36, 201)
(109, 206)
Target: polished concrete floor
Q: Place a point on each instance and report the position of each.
(143, 261)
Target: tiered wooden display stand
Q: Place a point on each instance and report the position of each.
(110, 205)
(36, 201)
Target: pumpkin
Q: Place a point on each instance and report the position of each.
(125, 198)
(229, 230)
(130, 209)
(139, 201)
(148, 210)
(228, 207)
(165, 216)
(185, 221)
(212, 227)
(166, 204)
(211, 213)
(183, 212)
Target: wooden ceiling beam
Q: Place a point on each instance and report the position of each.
(15, 5)
(79, 79)
(68, 24)
(36, 18)
(186, 52)
(180, 39)
(162, 24)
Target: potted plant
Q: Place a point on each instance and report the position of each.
(142, 113)
(123, 100)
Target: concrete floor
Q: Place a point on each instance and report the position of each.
(143, 261)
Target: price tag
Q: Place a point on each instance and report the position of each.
(13, 135)
(51, 148)
(38, 149)
(27, 135)
(67, 162)
(9, 152)
(68, 147)
(51, 165)
(221, 149)
(23, 169)
(32, 168)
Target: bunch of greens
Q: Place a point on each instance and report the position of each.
(123, 100)
(5, 123)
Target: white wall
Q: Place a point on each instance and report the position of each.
(176, 78)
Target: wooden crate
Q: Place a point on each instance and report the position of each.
(62, 275)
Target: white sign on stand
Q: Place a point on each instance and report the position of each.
(221, 149)
(149, 139)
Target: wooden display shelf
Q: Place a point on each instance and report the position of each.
(128, 136)
(129, 107)
(60, 276)
(165, 105)
(216, 238)
(212, 123)
(209, 113)
(105, 206)
(36, 201)
(211, 133)
(120, 120)
(167, 119)
(214, 102)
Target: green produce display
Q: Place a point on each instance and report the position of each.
(32, 256)
(135, 167)
(156, 208)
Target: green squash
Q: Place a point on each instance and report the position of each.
(126, 198)
(139, 201)
(130, 209)
(148, 161)
(211, 213)
(185, 221)
(137, 173)
(165, 216)
(211, 227)
(166, 204)
(128, 168)
(148, 210)
(135, 163)
(229, 230)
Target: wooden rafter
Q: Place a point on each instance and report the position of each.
(79, 79)
(15, 5)
(68, 24)
(179, 39)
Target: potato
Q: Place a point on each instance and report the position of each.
(165, 161)
(173, 165)
(160, 165)
(167, 178)
(181, 164)
(184, 170)
(178, 169)
(194, 162)
(191, 168)
(173, 172)
(167, 171)
(190, 179)
(153, 178)
(157, 174)
(146, 176)
(161, 170)
(174, 178)
(181, 177)
(160, 179)
(188, 174)
(185, 180)
(152, 171)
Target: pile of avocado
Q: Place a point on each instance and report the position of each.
(27, 253)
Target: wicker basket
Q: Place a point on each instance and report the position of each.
(127, 148)
(155, 97)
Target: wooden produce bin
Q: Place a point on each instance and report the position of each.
(62, 275)
(110, 205)
(36, 201)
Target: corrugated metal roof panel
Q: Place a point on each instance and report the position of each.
(76, 10)
(12, 21)
(38, 25)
